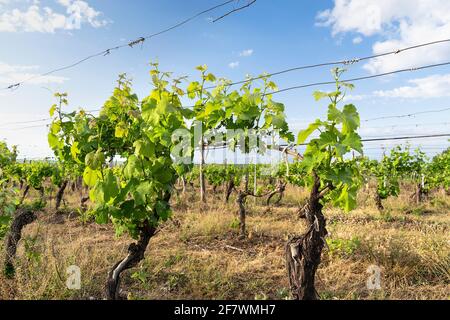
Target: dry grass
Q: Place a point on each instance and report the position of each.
(197, 255)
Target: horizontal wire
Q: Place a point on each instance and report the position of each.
(235, 10)
(225, 145)
(409, 125)
(407, 115)
(358, 78)
(108, 51)
(338, 62)
(333, 82)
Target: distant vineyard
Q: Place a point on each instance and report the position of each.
(149, 136)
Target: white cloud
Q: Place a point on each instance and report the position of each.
(400, 23)
(233, 65)
(358, 97)
(435, 86)
(357, 40)
(246, 53)
(10, 74)
(36, 18)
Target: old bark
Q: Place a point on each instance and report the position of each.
(378, 202)
(60, 194)
(229, 189)
(303, 253)
(419, 194)
(135, 255)
(24, 194)
(241, 203)
(280, 191)
(202, 174)
(21, 219)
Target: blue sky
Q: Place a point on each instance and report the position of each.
(37, 36)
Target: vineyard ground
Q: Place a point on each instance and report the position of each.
(197, 254)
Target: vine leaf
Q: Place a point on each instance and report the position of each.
(304, 134)
(350, 119)
(353, 141)
(90, 176)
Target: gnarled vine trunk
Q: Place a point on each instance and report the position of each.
(202, 173)
(21, 219)
(24, 194)
(83, 201)
(229, 190)
(60, 194)
(280, 191)
(241, 203)
(419, 194)
(135, 254)
(378, 202)
(303, 253)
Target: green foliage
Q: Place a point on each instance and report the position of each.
(140, 133)
(66, 130)
(9, 198)
(343, 247)
(31, 248)
(399, 164)
(7, 156)
(249, 110)
(326, 154)
(215, 174)
(438, 171)
(35, 173)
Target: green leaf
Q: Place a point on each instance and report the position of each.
(54, 142)
(347, 199)
(144, 148)
(210, 77)
(123, 194)
(102, 215)
(353, 141)
(318, 95)
(90, 177)
(341, 150)
(210, 108)
(52, 110)
(96, 194)
(75, 151)
(110, 187)
(148, 110)
(95, 159)
(126, 209)
(351, 120)
(278, 120)
(164, 176)
(193, 89)
(89, 160)
(187, 113)
(164, 106)
(55, 127)
(327, 138)
(163, 210)
(202, 68)
(140, 194)
(131, 167)
(303, 135)
(121, 130)
(334, 114)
